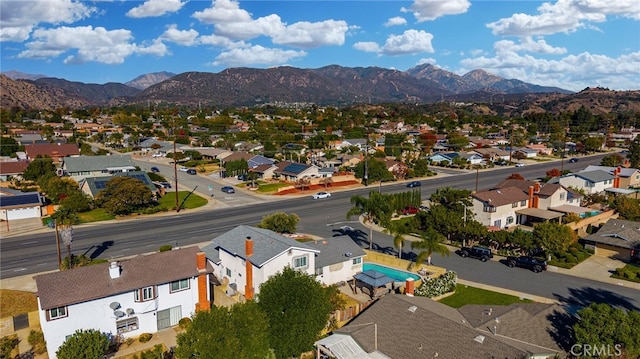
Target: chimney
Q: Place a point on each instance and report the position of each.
(530, 197)
(536, 187)
(248, 288)
(114, 270)
(203, 287)
(409, 287)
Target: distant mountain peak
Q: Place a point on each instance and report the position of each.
(147, 80)
(17, 75)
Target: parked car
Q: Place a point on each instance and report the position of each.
(409, 210)
(321, 195)
(414, 184)
(573, 160)
(535, 264)
(501, 163)
(191, 171)
(155, 169)
(183, 169)
(166, 184)
(243, 177)
(519, 164)
(228, 189)
(481, 253)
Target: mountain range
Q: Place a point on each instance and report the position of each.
(330, 85)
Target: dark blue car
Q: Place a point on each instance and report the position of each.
(414, 184)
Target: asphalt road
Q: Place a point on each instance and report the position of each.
(36, 252)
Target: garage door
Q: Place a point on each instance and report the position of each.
(23, 213)
(169, 317)
(604, 250)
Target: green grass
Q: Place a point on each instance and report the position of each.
(472, 295)
(271, 187)
(168, 201)
(630, 272)
(95, 215)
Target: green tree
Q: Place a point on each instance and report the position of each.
(9, 146)
(451, 198)
(420, 167)
(430, 242)
(634, 153)
(58, 188)
(84, 344)
(298, 309)
(593, 144)
(124, 195)
(40, 166)
(629, 208)
(398, 230)
(553, 237)
(376, 171)
(612, 160)
(280, 222)
(241, 331)
(602, 324)
(374, 209)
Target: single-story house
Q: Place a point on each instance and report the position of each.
(92, 166)
(56, 151)
(15, 204)
(12, 169)
(617, 239)
(93, 185)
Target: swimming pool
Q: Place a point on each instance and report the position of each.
(397, 275)
(590, 213)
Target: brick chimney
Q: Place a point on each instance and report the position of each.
(248, 288)
(530, 197)
(203, 287)
(616, 178)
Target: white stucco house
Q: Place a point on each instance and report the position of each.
(143, 294)
(15, 204)
(591, 182)
(497, 208)
(339, 259)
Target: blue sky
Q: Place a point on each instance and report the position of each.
(571, 44)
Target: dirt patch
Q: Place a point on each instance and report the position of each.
(16, 302)
(317, 187)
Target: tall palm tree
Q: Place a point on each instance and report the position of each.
(398, 231)
(374, 209)
(430, 243)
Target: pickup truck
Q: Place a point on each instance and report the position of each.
(481, 253)
(534, 264)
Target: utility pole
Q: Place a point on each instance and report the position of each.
(55, 221)
(477, 177)
(175, 165)
(366, 160)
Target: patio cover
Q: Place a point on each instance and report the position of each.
(540, 213)
(567, 208)
(373, 278)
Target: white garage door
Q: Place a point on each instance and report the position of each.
(23, 213)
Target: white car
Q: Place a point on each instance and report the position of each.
(321, 195)
(183, 169)
(519, 164)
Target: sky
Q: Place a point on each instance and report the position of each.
(571, 44)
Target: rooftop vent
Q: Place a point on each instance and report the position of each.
(413, 308)
(479, 339)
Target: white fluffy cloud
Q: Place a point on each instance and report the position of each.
(182, 37)
(564, 16)
(410, 42)
(367, 46)
(19, 18)
(90, 45)
(256, 55)
(309, 35)
(395, 21)
(527, 44)
(152, 8)
(427, 10)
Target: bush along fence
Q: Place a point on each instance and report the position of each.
(434, 287)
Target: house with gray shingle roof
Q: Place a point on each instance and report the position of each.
(338, 260)
(628, 177)
(617, 238)
(497, 208)
(399, 326)
(92, 166)
(144, 294)
(591, 182)
(93, 185)
(244, 268)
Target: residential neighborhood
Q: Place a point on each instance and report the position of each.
(167, 225)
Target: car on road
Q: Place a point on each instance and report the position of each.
(519, 164)
(166, 184)
(228, 189)
(191, 171)
(321, 195)
(155, 169)
(409, 210)
(573, 160)
(536, 265)
(183, 169)
(481, 253)
(413, 184)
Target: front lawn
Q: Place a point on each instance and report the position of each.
(575, 255)
(95, 215)
(168, 201)
(630, 272)
(16, 302)
(472, 295)
(271, 187)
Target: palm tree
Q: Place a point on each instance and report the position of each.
(374, 209)
(398, 230)
(430, 243)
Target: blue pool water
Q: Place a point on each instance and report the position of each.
(589, 214)
(396, 274)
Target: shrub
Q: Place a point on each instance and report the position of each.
(165, 248)
(433, 287)
(184, 323)
(7, 344)
(145, 337)
(156, 352)
(36, 340)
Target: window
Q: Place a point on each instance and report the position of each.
(514, 205)
(356, 260)
(300, 262)
(127, 325)
(228, 272)
(57, 313)
(562, 196)
(523, 203)
(509, 219)
(489, 208)
(180, 285)
(144, 294)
